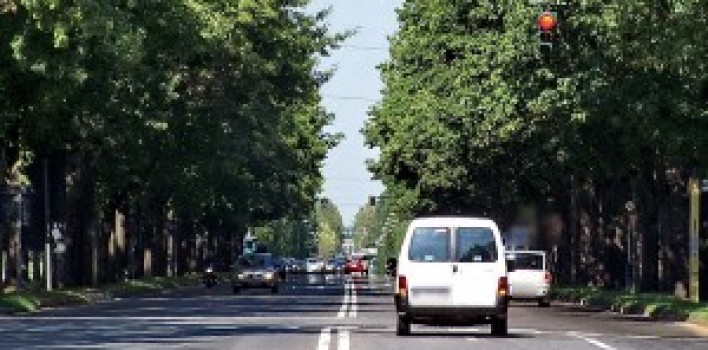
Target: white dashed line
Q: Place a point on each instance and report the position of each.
(354, 306)
(349, 306)
(325, 339)
(595, 342)
(343, 340)
(345, 302)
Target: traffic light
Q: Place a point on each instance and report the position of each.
(547, 23)
(372, 201)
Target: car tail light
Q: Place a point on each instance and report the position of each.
(547, 278)
(503, 288)
(402, 286)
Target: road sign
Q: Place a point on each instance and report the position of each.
(60, 248)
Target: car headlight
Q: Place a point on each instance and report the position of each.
(268, 275)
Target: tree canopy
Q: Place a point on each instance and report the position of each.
(206, 112)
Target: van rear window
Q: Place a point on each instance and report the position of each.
(430, 244)
(476, 244)
(528, 261)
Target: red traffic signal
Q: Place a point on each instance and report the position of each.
(547, 21)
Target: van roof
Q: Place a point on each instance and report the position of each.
(452, 221)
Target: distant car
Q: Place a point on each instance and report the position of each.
(357, 266)
(452, 271)
(530, 279)
(300, 266)
(339, 264)
(255, 271)
(330, 266)
(313, 265)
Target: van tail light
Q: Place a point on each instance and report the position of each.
(503, 289)
(402, 286)
(547, 278)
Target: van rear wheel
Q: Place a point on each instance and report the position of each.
(500, 327)
(403, 326)
(544, 302)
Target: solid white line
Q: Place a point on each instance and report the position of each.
(597, 343)
(325, 339)
(343, 340)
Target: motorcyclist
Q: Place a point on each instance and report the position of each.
(209, 277)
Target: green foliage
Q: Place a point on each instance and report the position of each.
(474, 119)
(330, 232)
(206, 110)
(659, 306)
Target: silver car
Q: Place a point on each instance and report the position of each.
(255, 271)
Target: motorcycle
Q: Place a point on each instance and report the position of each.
(209, 277)
(391, 265)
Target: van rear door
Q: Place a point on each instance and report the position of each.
(529, 276)
(429, 256)
(477, 267)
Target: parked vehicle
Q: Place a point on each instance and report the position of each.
(255, 271)
(530, 279)
(452, 271)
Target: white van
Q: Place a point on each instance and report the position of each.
(452, 271)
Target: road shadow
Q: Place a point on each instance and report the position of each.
(137, 335)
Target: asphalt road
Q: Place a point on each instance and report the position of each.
(313, 313)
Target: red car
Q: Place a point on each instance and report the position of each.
(358, 265)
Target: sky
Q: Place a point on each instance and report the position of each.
(355, 86)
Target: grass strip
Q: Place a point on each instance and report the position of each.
(33, 300)
(654, 305)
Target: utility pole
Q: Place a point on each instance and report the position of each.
(19, 261)
(694, 192)
(48, 229)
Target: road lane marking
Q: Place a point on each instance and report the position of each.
(343, 343)
(345, 302)
(595, 342)
(325, 339)
(208, 319)
(354, 306)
